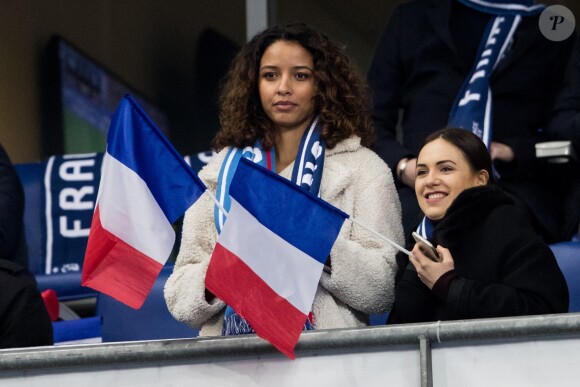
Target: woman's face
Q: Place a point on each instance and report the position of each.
(442, 174)
(287, 85)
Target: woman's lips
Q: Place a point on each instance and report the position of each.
(284, 105)
(435, 196)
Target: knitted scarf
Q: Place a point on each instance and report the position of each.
(472, 109)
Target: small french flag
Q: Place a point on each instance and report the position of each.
(271, 252)
(146, 185)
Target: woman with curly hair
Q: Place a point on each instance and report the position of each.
(293, 103)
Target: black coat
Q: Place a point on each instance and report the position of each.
(565, 121)
(565, 125)
(502, 268)
(418, 70)
(24, 319)
(12, 242)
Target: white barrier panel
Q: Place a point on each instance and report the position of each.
(519, 351)
(394, 368)
(532, 363)
(536, 363)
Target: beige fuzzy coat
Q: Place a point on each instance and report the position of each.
(355, 180)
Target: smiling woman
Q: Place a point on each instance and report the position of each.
(443, 172)
(493, 265)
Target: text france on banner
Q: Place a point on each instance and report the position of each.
(145, 187)
(271, 252)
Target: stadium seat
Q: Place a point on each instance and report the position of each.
(79, 331)
(151, 322)
(60, 194)
(568, 257)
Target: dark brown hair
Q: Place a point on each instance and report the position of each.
(474, 150)
(341, 101)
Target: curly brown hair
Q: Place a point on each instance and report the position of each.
(342, 99)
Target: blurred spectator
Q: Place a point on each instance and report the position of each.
(565, 121)
(24, 319)
(565, 125)
(429, 51)
(12, 242)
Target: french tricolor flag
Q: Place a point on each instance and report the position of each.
(146, 185)
(271, 252)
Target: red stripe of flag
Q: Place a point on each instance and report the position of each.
(277, 320)
(106, 261)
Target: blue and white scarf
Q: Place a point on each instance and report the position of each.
(472, 109)
(425, 228)
(307, 173)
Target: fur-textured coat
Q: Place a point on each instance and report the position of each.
(361, 282)
(502, 268)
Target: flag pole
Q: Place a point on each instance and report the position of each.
(400, 248)
(217, 202)
(395, 245)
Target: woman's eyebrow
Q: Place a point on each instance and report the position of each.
(438, 162)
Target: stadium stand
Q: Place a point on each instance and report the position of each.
(151, 322)
(568, 257)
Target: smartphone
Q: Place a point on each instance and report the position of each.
(427, 248)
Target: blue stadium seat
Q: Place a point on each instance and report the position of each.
(568, 257)
(60, 194)
(79, 331)
(151, 322)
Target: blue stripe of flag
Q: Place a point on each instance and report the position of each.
(135, 141)
(300, 218)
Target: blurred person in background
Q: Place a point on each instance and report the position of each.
(24, 319)
(486, 68)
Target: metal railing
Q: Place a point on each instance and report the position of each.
(323, 342)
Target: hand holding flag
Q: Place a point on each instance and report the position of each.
(270, 254)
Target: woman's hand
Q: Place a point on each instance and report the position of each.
(427, 270)
(409, 174)
(500, 151)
